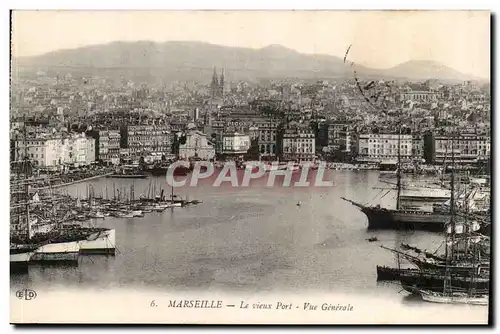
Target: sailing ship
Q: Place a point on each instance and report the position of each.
(430, 279)
(461, 275)
(29, 246)
(35, 239)
(403, 217)
(20, 254)
(451, 293)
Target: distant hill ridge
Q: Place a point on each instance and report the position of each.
(195, 60)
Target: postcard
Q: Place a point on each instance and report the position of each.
(250, 167)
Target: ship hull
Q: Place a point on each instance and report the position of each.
(57, 253)
(413, 279)
(102, 242)
(393, 274)
(429, 296)
(437, 283)
(379, 218)
(115, 176)
(19, 262)
(160, 171)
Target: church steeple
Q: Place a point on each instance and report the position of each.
(214, 86)
(217, 86)
(222, 80)
(215, 82)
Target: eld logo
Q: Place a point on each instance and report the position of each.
(26, 294)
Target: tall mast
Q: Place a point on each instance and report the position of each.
(447, 280)
(398, 171)
(452, 196)
(26, 166)
(444, 165)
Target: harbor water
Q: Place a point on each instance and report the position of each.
(255, 239)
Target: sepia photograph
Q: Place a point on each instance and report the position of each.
(250, 167)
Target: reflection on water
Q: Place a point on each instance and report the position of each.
(251, 239)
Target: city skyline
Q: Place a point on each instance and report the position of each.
(450, 38)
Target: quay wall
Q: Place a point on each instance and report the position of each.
(73, 182)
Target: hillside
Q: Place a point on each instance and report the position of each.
(195, 61)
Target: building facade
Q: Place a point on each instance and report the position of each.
(339, 137)
(196, 146)
(299, 143)
(142, 140)
(109, 146)
(55, 149)
(419, 96)
(235, 143)
(417, 147)
(268, 136)
(378, 147)
(467, 148)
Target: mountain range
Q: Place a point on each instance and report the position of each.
(170, 61)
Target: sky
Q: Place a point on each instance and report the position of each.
(458, 39)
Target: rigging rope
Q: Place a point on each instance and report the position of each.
(376, 195)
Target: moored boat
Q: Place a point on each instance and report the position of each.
(382, 218)
(137, 213)
(125, 214)
(20, 256)
(128, 172)
(127, 176)
(100, 242)
(454, 298)
(60, 252)
(96, 215)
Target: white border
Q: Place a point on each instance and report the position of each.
(190, 4)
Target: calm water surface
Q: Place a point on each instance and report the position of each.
(242, 239)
